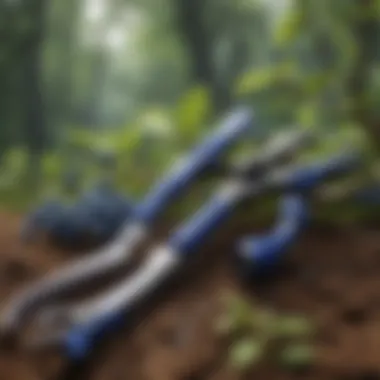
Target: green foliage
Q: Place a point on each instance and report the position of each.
(246, 353)
(297, 356)
(289, 28)
(258, 80)
(239, 315)
(15, 160)
(290, 326)
(143, 101)
(255, 331)
(192, 113)
(310, 83)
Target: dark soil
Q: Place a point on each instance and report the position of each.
(331, 275)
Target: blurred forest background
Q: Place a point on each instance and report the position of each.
(143, 80)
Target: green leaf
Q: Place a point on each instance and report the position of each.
(297, 356)
(15, 159)
(247, 6)
(156, 122)
(81, 138)
(258, 80)
(266, 322)
(128, 140)
(51, 165)
(246, 353)
(193, 112)
(240, 311)
(226, 325)
(351, 133)
(307, 114)
(289, 29)
(315, 83)
(294, 327)
(255, 81)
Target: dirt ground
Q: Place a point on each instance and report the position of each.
(331, 275)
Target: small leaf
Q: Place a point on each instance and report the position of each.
(51, 165)
(245, 353)
(307, 114)
(289, 29)
(267, 322)
(297, 356)
(294, 326)
(193, 112)
(225, 325)
(255, 81)
(266, 78)
(241, 311)
(156, 122)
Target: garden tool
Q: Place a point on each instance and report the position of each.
(134, 231)
(80, 326)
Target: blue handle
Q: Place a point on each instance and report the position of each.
(309, 177)
(207, 153)
(265, 251)
(79, 342)
(189, 237)
(293, 210)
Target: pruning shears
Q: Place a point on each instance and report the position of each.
(87, 322)
(119, 251)
(78, 327)
(164, 260)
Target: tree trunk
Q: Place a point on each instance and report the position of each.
(366, 31)
(67, 33)
(197, 39)
(35, 127)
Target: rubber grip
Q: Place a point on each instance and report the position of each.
(265, 251)
(294, 210)
(309, 177)
(79, 342)
(236, 124)
(189, 237)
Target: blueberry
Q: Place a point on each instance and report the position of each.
(43, 218)
(98, 214)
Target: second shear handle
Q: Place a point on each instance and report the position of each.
(311, 176)
(189, 237)
(263, 252)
